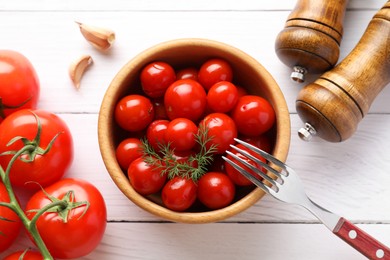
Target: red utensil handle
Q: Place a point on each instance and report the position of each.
(361, 241)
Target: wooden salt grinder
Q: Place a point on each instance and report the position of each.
(311, 38)
(337, 101)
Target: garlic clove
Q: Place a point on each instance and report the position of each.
(77, 69)
(100, 38)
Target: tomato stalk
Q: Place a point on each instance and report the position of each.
(15, 206)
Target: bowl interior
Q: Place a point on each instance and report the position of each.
(248, 73)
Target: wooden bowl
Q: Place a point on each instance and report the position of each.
(247, 72)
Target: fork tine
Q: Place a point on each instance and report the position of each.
(258, 161)
(257, 182)
(264, 154)
(253, 168)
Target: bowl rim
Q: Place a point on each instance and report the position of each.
(107, 146)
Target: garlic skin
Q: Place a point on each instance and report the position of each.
(100, 38)
(77, 69)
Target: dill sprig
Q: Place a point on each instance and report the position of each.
(194, 168)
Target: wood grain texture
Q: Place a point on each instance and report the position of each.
(351, 179)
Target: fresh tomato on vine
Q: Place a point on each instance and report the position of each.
(19, 86)
(73, 229)
(9, 222)
(25, 255)
(50, 147)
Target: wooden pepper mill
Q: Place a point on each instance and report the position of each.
(337, 101)
(310, 41)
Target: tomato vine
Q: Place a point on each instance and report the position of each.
(62, 206)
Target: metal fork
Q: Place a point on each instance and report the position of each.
(286, 186)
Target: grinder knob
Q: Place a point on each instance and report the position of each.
(337, 101)
(310, 40)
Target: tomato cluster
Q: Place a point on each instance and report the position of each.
(36, 151)
(179, 126)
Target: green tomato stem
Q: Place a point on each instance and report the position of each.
(15, 206)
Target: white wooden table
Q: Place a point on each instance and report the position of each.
(351, 178)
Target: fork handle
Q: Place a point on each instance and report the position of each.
(361, 241)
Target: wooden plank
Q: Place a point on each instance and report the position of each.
(52, 48)
(156, 5)
(223, 241)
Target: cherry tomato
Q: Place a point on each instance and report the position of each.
(85, 225)
(19, 88)
(185, 98)
(253, 115)
(181, 134)
(127, 151)
(155, 134)
(10, 223)
(134, 112)
(28, 255)
(156, 78)
(216, 190)
(44, 169)
(261, 141)
(179, 194)
(222, 97)
(159, 109)
(213, 71)
(144, 178)
(222, 131)
(234, 174)
(187, 73)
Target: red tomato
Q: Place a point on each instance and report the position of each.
(222, 131)
(181, 134)
(213, 71)
(159, 109)
(262, 141)
(185, 98)
(179, 194)
(222, 97)
(155, 134)
(44, 169)
(156, 78)
(28, 255)
(127, 151)
(10, 223)
(234, 174)
(19, 86)
(134, 112)
(84, 228)
(215, 190)
(145, 179)
(187, 73)
(253, 115)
